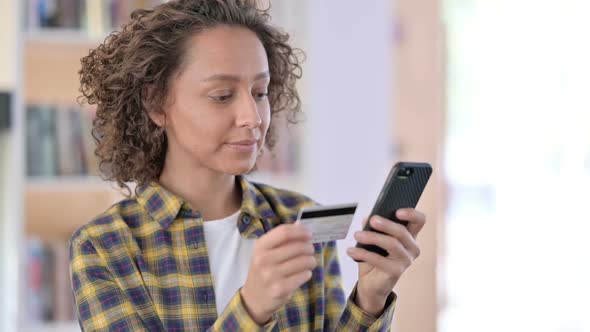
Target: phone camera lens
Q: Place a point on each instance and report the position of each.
(405, 172)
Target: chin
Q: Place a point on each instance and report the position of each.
(240, 167)
(236, 164)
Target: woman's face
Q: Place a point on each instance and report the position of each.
(218, 112)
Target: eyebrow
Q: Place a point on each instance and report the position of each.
(234, 78)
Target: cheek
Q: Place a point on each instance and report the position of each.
(265, 116)
(187, 124)
(198, 129)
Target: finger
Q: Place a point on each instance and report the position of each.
(388, 227)
(389, 243)
(376, 260)
(290, 250)
(296, 265)
(283, 234)
(416, 220)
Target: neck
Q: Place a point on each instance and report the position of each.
(215, 194)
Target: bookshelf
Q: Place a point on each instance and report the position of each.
(50, 62)
(53, 327)
(58, 61)
(48, 199)
(54, 205)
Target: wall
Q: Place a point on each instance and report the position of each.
(349, 107)
(7, 39)
(9, 182)
(419, 127)
(374, 95)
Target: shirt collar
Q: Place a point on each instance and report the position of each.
(162, 205)
(256, 217)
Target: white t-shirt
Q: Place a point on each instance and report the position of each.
(229, 257)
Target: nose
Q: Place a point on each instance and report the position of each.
(248, 115)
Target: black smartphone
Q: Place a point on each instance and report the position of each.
(402, 189)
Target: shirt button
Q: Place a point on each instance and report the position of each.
(246, 219)
(205, 295)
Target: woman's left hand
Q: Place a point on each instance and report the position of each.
(377, 274)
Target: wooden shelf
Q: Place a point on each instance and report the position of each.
(69, 183)
(51, 70)
(62, 35)
(55, 208)
(53, 327)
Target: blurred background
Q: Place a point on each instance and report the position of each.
(493, 93)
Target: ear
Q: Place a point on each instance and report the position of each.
(157, 116)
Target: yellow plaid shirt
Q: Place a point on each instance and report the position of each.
(143, 266)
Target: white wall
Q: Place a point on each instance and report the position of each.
(10, 171)
(7, 38)
(348, 103)
(346, 96)
(4, 250)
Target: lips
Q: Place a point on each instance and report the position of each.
(244, 142)
(244, 146)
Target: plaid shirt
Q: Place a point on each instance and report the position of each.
(143, 266)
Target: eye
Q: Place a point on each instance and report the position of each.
(222, 98)
(260, 95)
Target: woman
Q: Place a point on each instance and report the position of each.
(185, 94)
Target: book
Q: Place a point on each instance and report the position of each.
(59, 141)
(67, 160)
(47, 141)
(62, 300)
(76, 143)
(89, 144)
(70, 13)
(48, 288)
(96, 18)
(34, 284)
(40, 290)
(40, 140)
(33, 159)
(48, 13)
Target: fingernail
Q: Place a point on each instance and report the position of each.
(350, 251)
(378, 221)
(358, 234)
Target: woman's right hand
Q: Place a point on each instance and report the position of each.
(282, 261)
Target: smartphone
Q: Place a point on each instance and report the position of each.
(402, 189)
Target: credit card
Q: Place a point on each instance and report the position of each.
(327, 222)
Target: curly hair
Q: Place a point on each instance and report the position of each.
(146, 52)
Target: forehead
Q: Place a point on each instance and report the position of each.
(225, 50)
